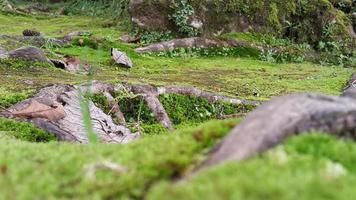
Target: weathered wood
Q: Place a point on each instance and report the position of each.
(103, 124)
(211, 97)
(158, 110)
(71, 127)
(271, 123)
(115, 108)
(282, 117)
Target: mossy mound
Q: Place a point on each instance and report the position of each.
(305, 167)
(63, 167)
(24, 131)
(304, 21)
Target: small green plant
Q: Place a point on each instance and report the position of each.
(153, 37)
(23, 64)
(210, 52)
(86, 41)
(114, 8)
(275, 56)
(8, 98)
(182, 12)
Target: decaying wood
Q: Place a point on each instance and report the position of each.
(271, 123)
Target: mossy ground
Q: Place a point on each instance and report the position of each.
(299, 168)
(58, 170)
(312, 166)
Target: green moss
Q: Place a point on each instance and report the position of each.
(136, 110)
(182, 109)
(305, 167)
(100, 101)
(8, 98)
(24, 131)
(22, 64)
(153, 129)
(61, 168)
(273, 20)
(86, 41)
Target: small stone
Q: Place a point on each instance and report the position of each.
(121, 58)
(29, 53)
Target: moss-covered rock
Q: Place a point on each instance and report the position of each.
(302, 21)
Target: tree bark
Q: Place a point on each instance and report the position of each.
(271, 123)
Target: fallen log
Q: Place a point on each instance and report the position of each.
(271, 123)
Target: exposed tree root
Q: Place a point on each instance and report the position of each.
(71, 128)
(271, 123)
(115, 108)
(195, 42)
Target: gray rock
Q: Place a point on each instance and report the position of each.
(121, 58)
(29, 53)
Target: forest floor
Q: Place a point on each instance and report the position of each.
(312, 166)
